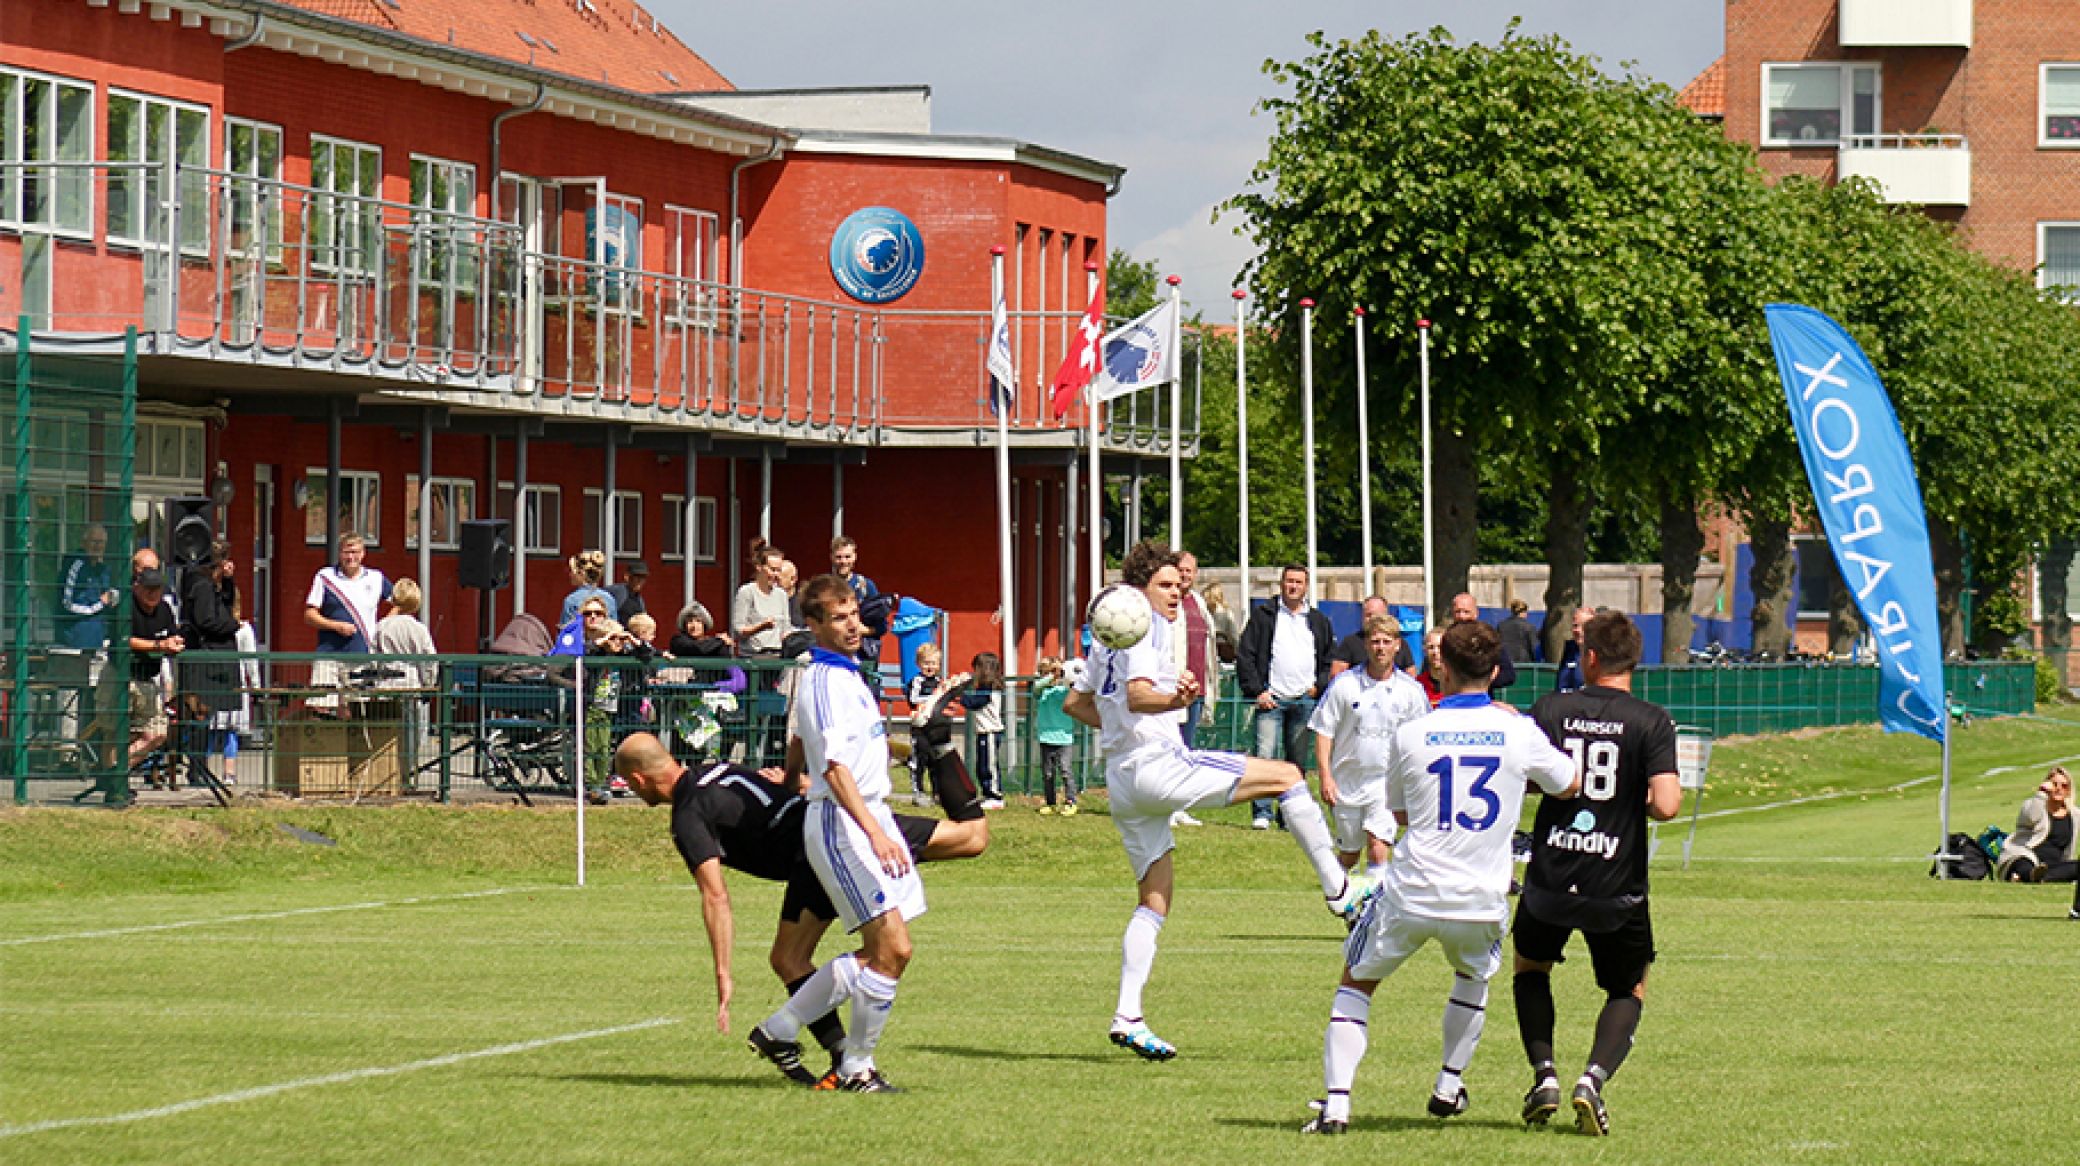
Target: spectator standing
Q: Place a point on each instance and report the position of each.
(1227, 630)
(628, 594)
(2044, 845)
(984, 701)
(697, 637)
(86, 594)
(1432, 675)
(1465, 610)
(1057, 733)
(342, 607)
(1191, 640)
(1569, 677)
(874, 607)
(154, 638)
(1350, 651)
(1282, 664)
(237, 723)
(588, 572)
(1519, 638)
(758, 615)
(209, 623)
(403, 633)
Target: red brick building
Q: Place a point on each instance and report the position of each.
(540, 244)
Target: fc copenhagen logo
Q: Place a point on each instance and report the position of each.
(877, 255)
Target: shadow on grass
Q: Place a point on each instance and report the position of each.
(1289, 937)
(974, 1054)
(1390, 1124)
(672, 1081)
(1999, 917)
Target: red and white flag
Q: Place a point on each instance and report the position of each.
(1082, 361)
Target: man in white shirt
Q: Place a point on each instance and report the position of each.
(1282, 664)
(341, 606)
(1131, 696)
(1354, 725)
(1456, 783)
(853, 844)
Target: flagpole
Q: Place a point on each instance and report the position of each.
(1007, 623)
(1242, 450)
(1097, 473)
(1307, 433)
(1176, 340)
(1364, 455)
(1429, 556)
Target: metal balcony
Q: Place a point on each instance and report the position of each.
(1924, 169)
(1880, 24)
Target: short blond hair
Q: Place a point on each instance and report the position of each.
(930, 652)
(641, 626)
(406, 597)
(350, 539)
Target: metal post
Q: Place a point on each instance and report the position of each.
(837, 497)
(1429, 519)
(765, 492)
(1096, 482)
(607, 535)
(425, 514)
(1364, 456)
(1176, 413)
(1007, 623)
(332, 483)
(690, 518)
(1242, 449)
(1070, 504)
(1307, 438)
(520, 521)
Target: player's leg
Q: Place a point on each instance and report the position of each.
(1283, 782)
(885, 953)
(947, 839)
(1148, 842)
(805, 914)
(947, 770)
(1621, 959)
(1474, 951)
(1380, 945)
(1539, 946)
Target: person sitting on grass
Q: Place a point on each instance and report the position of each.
(2044, 845)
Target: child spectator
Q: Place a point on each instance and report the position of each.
(644, 629)
(984, 701)
(1057, 735)
(926, 682)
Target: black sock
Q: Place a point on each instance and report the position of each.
(828, 1030)
(1614, 1028)
(1534, 995)
(955, 788)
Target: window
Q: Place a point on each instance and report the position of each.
(693, 260)
(2058, 96)
(544, 520)
(1815, 574)
(46, 119)
(1818, 105)
(704, 511)
(628, 523)
(620, 248)
(444, 190)
(454, 503)
(169, 449)
(360, 505)
(2058, 257)
(253, 152)
(156, 131)
(346, 233)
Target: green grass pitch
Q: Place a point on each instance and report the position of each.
(197, 986)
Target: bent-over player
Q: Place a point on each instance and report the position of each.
(1588, 868)
(1132, 697)
(1457, 786)
(1354, 726)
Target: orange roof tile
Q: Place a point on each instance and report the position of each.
(612, 42)
(1704, 96)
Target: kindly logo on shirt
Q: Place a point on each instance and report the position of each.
(1582, 837)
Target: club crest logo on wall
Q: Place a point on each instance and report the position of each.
(877, 255)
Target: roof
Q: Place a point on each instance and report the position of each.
(957, 148)
(611, 42)
(1705, 95)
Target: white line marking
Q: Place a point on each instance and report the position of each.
(260, 1091)
(146, 928)
(1890, 789)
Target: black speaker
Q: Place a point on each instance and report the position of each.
(487, 553)
(189, 531)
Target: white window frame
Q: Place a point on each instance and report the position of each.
(628, 543)
(447, 258)
(621, 283)
(541, 543)
(254, 191)
(131, 189)
(170, 434)
(362, 493)
(706, 514)
(461, 505)
(14, 189)
(2070, 291)
(2044, 71)
(693, 304)
(325, 214)
(1848, 103)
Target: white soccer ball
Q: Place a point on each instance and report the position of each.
(1119, 617)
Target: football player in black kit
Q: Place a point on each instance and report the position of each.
(751, 821)
(1588, 868)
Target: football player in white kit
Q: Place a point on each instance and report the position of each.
(1456, 783)
(1133, 697)
(1354, 726)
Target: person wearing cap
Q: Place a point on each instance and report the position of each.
(628, 594)
(153, 639)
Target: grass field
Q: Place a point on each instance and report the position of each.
(198, 986)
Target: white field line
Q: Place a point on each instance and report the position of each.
(1890, 789)
(260, 1091)
(146, 928)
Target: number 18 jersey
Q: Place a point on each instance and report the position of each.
(1592, 850)
(1459, 774)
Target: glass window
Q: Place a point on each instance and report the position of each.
(544, 520)
(2061, 101)
(628, 523)
(674, 543)
(454, 503)
(346, 232)
(619, 247)
(693, 237)
(2058, 257)
(155, 131)
(1819, 105)
(360, 505)
(253, 152)
(46, 119)
(445, 191)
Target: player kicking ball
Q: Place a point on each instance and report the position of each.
(751, 821)
(1354, 726)
(1456, 784)
(853, 845)
(1134, 697)
(1588, 868)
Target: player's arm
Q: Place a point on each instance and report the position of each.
(1145, 698)
(1324, 723)
(721, 927)
(797, 763)
(1552, 770)
(1664, 796)
(1082, 707)
(893, 856)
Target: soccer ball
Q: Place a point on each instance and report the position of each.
(1119, 616)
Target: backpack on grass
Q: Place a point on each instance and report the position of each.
(1971, 861)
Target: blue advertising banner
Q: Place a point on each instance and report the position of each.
(1870, 504)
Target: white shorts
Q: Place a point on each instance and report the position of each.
(846, 866)
(1388, 934)
(1354, 823)
(1144, 789)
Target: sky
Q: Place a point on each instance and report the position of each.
(1165, 88)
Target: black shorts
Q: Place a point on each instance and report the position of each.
(1620, 956)
(805, 891)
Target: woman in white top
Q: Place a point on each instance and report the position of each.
(758, 615)
(401, 633)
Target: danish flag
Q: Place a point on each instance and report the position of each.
(1082, 361)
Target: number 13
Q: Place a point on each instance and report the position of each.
(1478, 792)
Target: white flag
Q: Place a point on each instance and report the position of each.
(1137, 354)
(1005, 391)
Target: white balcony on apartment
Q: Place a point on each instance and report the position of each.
(1881, 24)
(1925, 169)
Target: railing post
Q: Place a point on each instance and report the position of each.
(172, 197)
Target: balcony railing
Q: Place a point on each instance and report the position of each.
(1930, 169)
(232, 268)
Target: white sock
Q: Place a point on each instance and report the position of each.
(1375, 871)
(873, 1000)
(1311, 831)
(1342, 1049)
(823, 991)
(1464, 1015)
(1137, 957)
